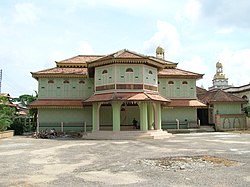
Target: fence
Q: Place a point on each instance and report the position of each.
(66, 126)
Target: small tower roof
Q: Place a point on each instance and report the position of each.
(159, 50)
(218, 64)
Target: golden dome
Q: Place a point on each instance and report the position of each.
(219, 65)
(159, 50)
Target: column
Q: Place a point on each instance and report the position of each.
(95, 116)
(150, 116)
(116, 108)
(157, 117)
(143, 116)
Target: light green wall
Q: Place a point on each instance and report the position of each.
(180, 113)
(104, 79)
(52, 118)
(150, 79)
(227, 108)
(60, 90)
(116, 74)
(178, 89)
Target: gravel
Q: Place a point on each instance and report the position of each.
(199, 159)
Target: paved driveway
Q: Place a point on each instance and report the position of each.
(60, 162)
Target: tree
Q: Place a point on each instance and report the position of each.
(7, 114)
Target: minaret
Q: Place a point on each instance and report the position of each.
(160, 52)
(219, 81)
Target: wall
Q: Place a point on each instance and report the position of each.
(230, 121)
(176, 88)
(108, 77)
(224, 108)
(73, 119)
(227, 108)
(180, 113)
(65, 88)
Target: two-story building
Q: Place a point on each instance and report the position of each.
(112, 92)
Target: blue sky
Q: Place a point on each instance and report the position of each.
(194, 33)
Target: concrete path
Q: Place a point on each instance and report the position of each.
(70, 162)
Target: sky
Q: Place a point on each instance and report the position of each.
(194, 33)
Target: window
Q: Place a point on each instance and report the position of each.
(184, 82)
(66, 82)
(129, 70)
(50, 81)
(150, 72)
(81, 82)
(170, 82)
(245, 97)
(104, 71)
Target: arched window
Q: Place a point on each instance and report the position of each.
(245, 97)
(104, 71)
(129, 70)
(66, 82)
(170, 82)
(184, 82)
(150, 72)
(81, 82)
(50, 81)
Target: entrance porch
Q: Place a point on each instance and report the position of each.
(114, 114)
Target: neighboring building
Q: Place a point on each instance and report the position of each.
(9, 100)
(108, 92)
(223, 109)
(219, 81)
(242, 92)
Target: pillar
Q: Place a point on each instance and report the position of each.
(158, 105)
(95, 116)
(157, 113)
(116, 109)
(150, 117)
(143, 116)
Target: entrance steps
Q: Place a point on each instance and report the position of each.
(127, 135)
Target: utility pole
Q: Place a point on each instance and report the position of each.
(1, 75)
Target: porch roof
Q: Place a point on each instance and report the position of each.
(186, 103)
(56, 103)
(125, 96)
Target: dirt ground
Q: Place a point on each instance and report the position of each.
(198, 159)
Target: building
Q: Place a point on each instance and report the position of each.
(110, 92)
(225, 104)
(224, 110)
(219, 81)
(242, 92)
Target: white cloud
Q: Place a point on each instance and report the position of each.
(85, 48)
(236, 65)
(225, 30)
(197, 64)
(166, 36)
(26, 13)
(192, 10)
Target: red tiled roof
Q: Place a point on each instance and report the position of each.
(126, 56)
(186, 103)
(219, 96)
(200, 90)
(60, 71)
(56, 103)
(124, 96)
(80, 59)
(178, 73)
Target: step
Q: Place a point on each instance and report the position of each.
(152, 134)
